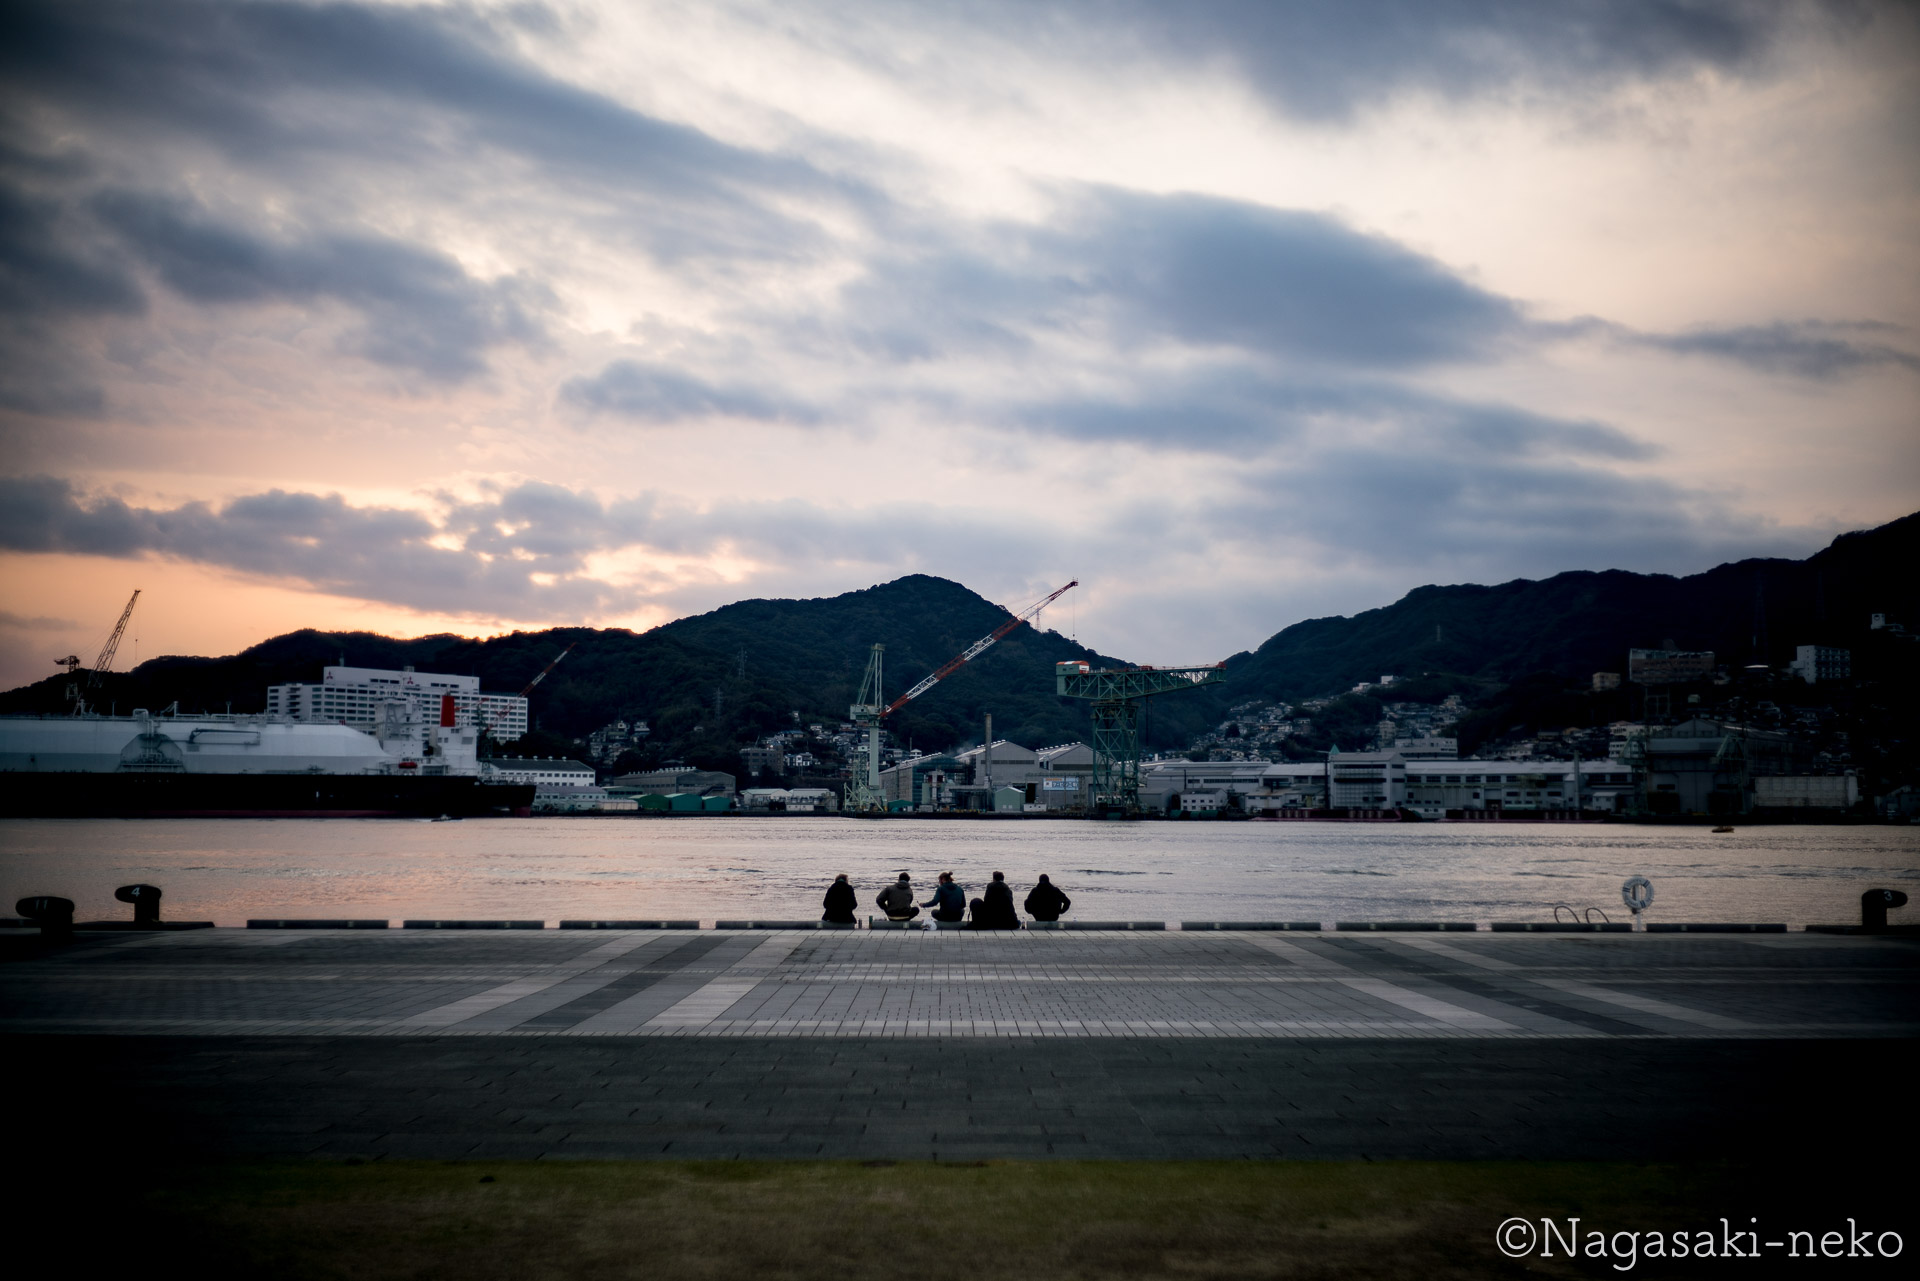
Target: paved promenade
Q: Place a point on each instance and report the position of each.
(803, 1043)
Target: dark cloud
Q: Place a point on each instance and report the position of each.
(286, 87)
(1202, 271)
(1410, 510)
(654, 393)
(1396, 511)
(1245, 411)
(1329, 60)
(35, 623)
(368, 553)
(1803, 349)
(420, 309)
(519, 552)
(1209, 271)
(51, 272)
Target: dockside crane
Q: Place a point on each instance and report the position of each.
(1117, 695)
(867, 711)
(101, 664)
(493, 719)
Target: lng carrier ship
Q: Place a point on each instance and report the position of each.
(414, 754)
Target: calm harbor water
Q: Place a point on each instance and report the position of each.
(778, 867)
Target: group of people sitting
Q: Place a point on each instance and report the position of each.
(993, 910)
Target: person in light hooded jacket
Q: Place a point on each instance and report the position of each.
(897, 900)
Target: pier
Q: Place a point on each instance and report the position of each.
(676, 1043)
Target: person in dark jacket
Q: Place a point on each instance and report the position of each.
(995, 911)
(949, 901)
(839, 902)
(1045, 902)
(897, 900)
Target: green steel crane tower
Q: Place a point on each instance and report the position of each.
(1117, 694)
(863, 779)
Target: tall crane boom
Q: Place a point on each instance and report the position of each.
(974, 650)
(107, 651)
(543, 671)
(488, 727)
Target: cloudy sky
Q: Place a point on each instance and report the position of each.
(478, 316)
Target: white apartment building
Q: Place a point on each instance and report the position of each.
(1816, 663)
(354, 696)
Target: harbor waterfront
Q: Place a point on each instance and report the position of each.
(227, 871)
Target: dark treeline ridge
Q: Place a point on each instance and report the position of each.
(708, 685)
(1520, 653)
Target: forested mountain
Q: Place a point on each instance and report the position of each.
(707, 684)
(714, 682)
(1574, 624)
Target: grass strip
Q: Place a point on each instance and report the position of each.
(849, 1220)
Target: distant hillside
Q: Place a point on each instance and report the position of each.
(764, 659)
(714, 682)
(1574, 624)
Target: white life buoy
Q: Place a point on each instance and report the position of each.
(1637, 893)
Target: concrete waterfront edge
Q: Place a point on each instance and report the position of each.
(1562, 927)
(1453, 927)
(629, 925)
(1313, 926)
(316, 923)
(143, 925)
(1711, 927)
(874, 923)
(473, 925)
(787, 925)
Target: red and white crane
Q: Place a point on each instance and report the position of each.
(863, 791)
(502, 711)
(974, 650)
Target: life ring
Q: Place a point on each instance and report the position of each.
(1637, 893)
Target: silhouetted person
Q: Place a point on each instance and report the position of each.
(949, 901)
(1045, 902)
(839, 902)
(995, 911)
(897, 900)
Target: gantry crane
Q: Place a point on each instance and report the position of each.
(1117, 694)
(863, 785)
(101, 664)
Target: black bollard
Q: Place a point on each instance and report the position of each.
(54, 914)
(145, 900)
(1873, 908)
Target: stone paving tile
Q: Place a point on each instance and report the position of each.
(915, 1046)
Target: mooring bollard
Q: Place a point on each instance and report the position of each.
(145, 900)
(1637, 893)
(1873, 908)
(54, 914)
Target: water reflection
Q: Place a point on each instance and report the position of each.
(706, 868)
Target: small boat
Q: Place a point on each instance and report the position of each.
(1723, 829)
